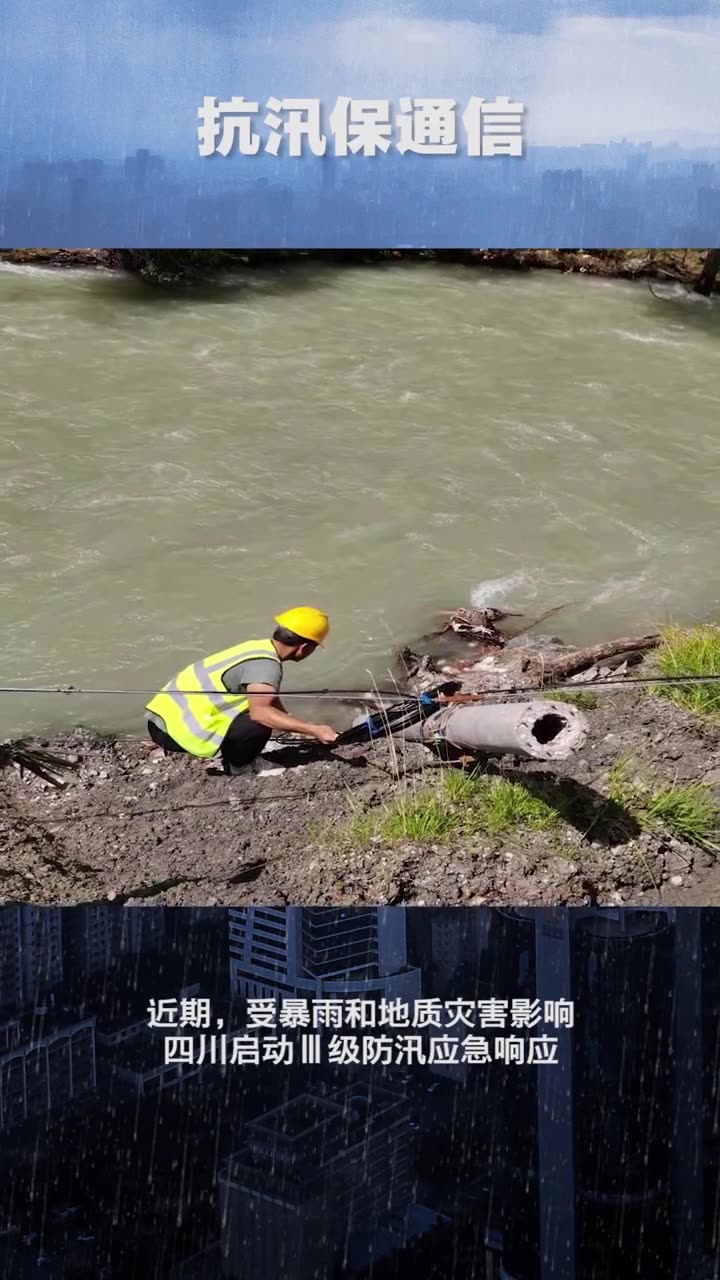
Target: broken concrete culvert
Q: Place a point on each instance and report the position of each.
(526, 730)
(133, 826)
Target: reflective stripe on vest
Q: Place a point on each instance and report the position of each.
(198, 724)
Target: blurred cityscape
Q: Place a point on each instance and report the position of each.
(619, 195)
(116, 1164)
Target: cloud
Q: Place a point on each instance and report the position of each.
(583, 79)
(537, 15)
(604, 78)
(116, 80)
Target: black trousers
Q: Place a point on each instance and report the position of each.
(243, 742)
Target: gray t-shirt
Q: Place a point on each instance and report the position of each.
(253, 671)
(236, 680)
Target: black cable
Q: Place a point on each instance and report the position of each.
(377, 694)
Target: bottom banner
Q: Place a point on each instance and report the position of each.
(320, 1093)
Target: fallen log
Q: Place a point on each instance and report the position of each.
(565, 665)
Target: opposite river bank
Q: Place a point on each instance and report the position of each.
(682, 265)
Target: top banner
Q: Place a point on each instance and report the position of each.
(444, 124)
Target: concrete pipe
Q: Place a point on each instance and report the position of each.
(532, 730)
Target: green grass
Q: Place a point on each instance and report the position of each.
(583, 701)
(693, 651)
(457, 805)
(508, 805)
(687, 811)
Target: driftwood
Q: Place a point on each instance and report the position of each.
(414, 664)
(550, 613)
(533, 668)
(480, 625)
(44, 764)
(477, 625)
(563, 666)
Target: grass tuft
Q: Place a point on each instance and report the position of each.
(689, 811)
(508, 805)
(693, 651)
(458, 804)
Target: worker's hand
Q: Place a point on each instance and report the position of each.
(324, 733)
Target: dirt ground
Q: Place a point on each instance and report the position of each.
(135, 826)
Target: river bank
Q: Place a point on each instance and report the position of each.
(163, 457)
(349, 826)
(683, 265)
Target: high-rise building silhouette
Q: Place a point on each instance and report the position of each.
(320, 951)
(95, 934)
(628, 1079)
(45, 1062)
(708, 201)
(143, 166)
(563, 187)
(310, 1173)
(30, 953)
(457, 940)
(457, 944)
(11, 969)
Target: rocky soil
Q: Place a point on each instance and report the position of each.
(133, 826)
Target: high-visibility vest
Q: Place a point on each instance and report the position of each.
(199, 723)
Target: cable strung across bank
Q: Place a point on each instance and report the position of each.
(477, 723)
(380, 695)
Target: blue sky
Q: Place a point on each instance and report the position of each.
(102, 76)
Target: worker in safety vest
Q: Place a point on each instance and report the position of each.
(236, 705)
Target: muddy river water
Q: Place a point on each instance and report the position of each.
(380, 441)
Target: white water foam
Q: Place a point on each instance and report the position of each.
(496, 590)
(648, 339)
(50, 273)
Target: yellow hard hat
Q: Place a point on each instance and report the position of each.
(308, 623)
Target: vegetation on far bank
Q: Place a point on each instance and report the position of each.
(698, 268)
